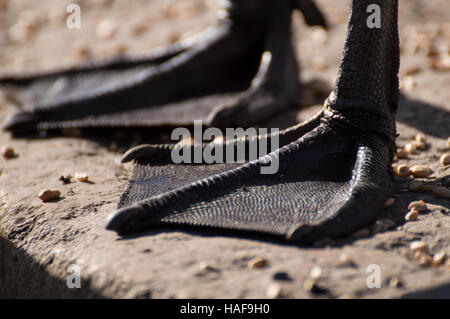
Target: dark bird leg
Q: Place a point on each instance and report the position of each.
(247, 59)
(334, 171)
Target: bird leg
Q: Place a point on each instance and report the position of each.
(334, 171)
(247, 58)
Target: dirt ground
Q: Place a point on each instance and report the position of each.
(38, 241)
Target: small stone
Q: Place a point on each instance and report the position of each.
(421, 171)
(315, 272)
(105, 29)
(82, 177)
(408, 83)
(441, 192)
(395, 282)
(420, 206)
(401, 154)
(345, 260)
(420, 138)
(274, 291)
(412, 70)
(410, 148)
(415, 185)
(445, 159)
(389, 202)
(49, 194)
(8, 152)
(258, 262)
(425, 260)
(412, 215)
(439, 258)
(419, 246)
(402, 171)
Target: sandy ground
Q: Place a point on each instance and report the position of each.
(39, 241)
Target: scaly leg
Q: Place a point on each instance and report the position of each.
(331, 181)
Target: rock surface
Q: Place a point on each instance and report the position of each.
(39, 241)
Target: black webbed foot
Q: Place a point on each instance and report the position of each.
(334, 172)
(337, 192)
(249, 47)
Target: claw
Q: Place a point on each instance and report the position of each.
(138, 152)
(124, 219)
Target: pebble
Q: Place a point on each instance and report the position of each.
(408, 83)
(420, 138)
(258, 262)
(49, 194)
(419, 246)
(441, 192)
(439, 258)
(82, 177)
(421, 171)
(410, 148)
(275, 291)
(346, 260)
(402, 170)
(412, 215)
(401, 154)
(106, 29)
(415, 185)
(425, 260)
(420, 206)
(395, 282)
(316, 272)
(445, 159)
(8, 152)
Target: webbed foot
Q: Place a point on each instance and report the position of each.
(235, 73)
(333, 173)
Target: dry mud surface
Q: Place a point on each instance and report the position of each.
(38, 241)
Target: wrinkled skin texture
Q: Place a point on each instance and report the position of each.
(335, 170)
